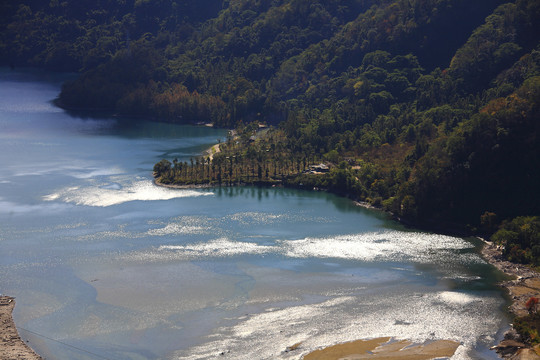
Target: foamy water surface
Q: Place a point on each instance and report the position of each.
(105, 264)
(108, 194)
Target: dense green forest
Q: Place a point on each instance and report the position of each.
(426, 108)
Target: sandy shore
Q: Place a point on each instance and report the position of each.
(386, 348)
(11, 346)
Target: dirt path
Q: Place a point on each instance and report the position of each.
(212, 151)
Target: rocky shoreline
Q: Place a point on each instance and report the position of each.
(526, 284)
(12, 347)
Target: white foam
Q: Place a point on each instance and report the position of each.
(456, 298)
(248, 218)
(218, 248)
(142, 190)
(375, 246)
(347, 318)
(274, 326)
(173, 229)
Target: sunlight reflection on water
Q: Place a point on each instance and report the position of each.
(102, 259)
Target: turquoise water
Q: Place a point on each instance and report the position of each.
(104, 264)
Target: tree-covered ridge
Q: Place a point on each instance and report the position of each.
(489, 161)
(428, 108)
(79, 35)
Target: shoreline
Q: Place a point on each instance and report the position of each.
(157, 182)
(12, 347)
(182, 187)
(526, 282)
(524, 285)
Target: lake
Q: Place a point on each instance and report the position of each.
(106, 265)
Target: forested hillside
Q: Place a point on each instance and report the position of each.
(428, 108)
(80, 35)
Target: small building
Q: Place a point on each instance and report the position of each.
(320, 168)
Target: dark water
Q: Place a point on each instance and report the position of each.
(106, 265)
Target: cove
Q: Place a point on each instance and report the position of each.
(104, 264)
